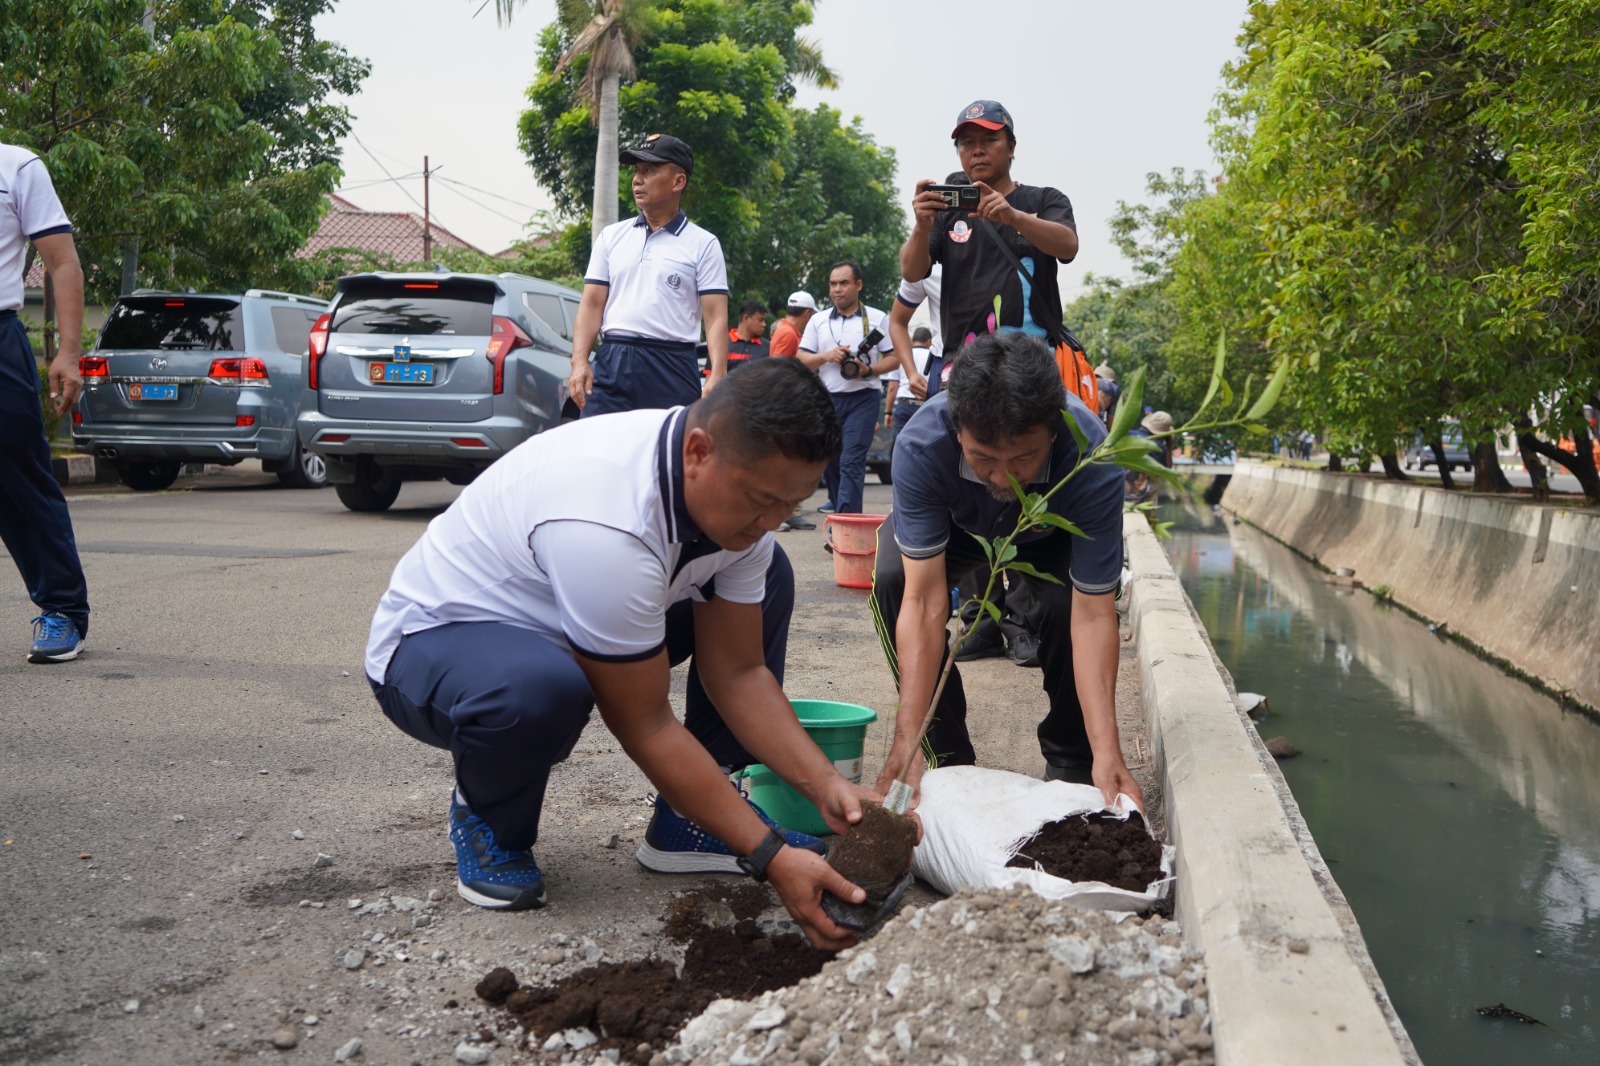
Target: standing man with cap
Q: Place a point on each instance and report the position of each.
(1006, 248)
(651, 281)
(787, 333)
(34, 522)
(830, 348)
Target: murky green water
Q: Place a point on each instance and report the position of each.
(1458, 809)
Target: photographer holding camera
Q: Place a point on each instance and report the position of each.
(840, 346)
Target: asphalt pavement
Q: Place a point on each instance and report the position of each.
(189, 810)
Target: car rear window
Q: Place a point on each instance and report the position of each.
(291, 328)
(416, 308)
(174, 323)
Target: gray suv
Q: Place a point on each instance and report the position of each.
(418, 377)
(180, 377)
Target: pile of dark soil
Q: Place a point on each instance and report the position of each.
(638, 1007)
(1096, 847)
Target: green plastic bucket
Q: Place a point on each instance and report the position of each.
(840, 730)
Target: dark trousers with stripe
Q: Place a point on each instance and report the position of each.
(846, 476)
(1062, 736)
(509, 704)
(34, 522)
(633, 374)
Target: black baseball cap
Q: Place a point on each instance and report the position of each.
(660, 148)
(990, 114)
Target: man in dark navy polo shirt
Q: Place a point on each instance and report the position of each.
(1000, 413)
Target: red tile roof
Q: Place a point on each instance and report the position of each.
(393, 233)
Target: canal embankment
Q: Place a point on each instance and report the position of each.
(1515, 580)
(1289, 974)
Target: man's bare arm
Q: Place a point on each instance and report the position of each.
(60, 255)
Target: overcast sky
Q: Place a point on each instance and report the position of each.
(1102, 94)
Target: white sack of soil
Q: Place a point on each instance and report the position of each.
(975, 819)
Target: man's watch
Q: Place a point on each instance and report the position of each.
(755, 863)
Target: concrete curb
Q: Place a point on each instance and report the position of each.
(1288, 974)
(79, 469)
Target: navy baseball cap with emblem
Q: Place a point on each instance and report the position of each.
(990, 114)
(660, 148)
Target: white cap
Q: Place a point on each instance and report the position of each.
(801, 301)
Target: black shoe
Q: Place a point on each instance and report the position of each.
(1024, 650)
(1077, 775)
(984, 642)
(796, 522)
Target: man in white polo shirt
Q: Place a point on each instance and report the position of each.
(650, 282)
(572, 575)
(34, 522)
(830, 347)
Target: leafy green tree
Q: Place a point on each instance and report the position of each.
(211, 142)
(720, 74)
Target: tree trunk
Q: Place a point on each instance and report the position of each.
(1486, 473)
(1537, 474)
(1391, 467)
(1437, 447)
(1335, 463)
(605, 159)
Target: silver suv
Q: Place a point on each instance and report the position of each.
(418, 377)
(179, 377)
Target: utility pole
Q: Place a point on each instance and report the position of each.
(130, 247)
(427, 230)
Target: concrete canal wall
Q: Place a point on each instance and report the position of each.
(1289, 976)
(1517, 580)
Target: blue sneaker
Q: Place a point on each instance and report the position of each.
(675, 845)
(487, 874)
(55, 639)
(826, 508)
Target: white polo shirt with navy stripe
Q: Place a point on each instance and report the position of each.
(580, 535)
(656, 278)
(828, 330)
(29, 209)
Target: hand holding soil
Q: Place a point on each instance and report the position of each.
(800, 877)
(1111, 776)
(842, 802)
(875, 854)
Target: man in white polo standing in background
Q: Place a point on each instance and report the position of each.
(651, 281)
(829, 347)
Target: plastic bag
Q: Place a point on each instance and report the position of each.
(974, 820)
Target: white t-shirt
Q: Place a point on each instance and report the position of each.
(912, 293)
(578, 534)
(829, 329)
(920, 356)
(29, 210)
(656, 277)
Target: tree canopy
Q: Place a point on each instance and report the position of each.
(212, 142)
(786, 191)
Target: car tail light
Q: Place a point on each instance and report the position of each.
(240, 370)
(77, 418)
(333, 438)
(245, 420)
(468, 442)
(505, 338)
(319, 345)
(93, 366)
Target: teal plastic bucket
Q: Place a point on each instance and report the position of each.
(840, 730)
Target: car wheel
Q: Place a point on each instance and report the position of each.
(149, 477)
(372, 489)
(882, 470)
(306, 470)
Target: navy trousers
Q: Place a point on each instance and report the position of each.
(34, 522)
(632, 374)
(509, 704)
(846, 476)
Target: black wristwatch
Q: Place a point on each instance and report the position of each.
(755, 863)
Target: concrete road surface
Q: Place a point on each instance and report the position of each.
(164, 799)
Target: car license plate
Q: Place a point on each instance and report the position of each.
(401, 373)
(138, 391)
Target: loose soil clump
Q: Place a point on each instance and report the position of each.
(875, 853)
(1097, 847)
(638, 1007)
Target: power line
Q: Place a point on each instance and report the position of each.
(485, 207)
(497, 196)
(385, 170)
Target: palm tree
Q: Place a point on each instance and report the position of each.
(610, 29)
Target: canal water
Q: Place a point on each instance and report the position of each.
(1458, 809)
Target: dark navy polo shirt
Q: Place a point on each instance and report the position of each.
(936, 492)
